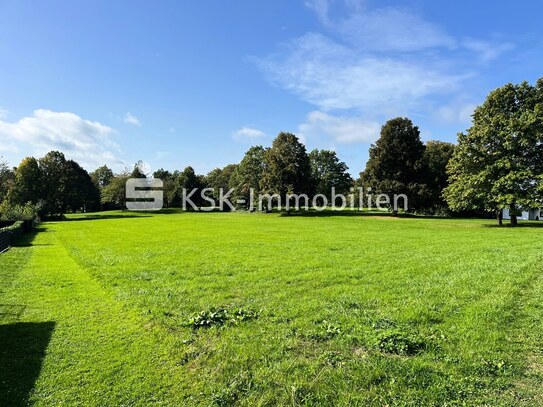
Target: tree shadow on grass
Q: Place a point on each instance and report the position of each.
(27, 239)
(338, 213)
(317, 214)
(122, 215)
(101, 217)
(521, 224)
(22, 349)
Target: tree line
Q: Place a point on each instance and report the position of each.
(496, 164)
(286, 168)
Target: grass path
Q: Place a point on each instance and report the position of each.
(90, 329)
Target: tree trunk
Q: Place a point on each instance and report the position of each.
(499, 215)
(513, 214)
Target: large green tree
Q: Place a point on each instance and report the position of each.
(59, 185)
(168, 179)
(219, 178)
(113, 195)
(53, 167)
(102, 176)
(248, 174)
(498, 162)
(7, 177)
(187, 180)
(328, 171)
(287, 167)
(162, 174)
(396, 163)
(28, 185)
(80, 191)
(436, 158)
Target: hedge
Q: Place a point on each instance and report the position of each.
(10, 233)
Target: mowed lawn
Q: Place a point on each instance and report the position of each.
(331, 310)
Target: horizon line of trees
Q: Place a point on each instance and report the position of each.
(497, 164)
(53, 185)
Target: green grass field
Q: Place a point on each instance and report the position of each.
(320, 310)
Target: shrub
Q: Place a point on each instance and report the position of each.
(26, 212)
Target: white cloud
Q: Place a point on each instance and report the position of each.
(332, 76)
(392, 29)
(487, 51)
(247, 133)
(321, 8)
(87, 142)
(131, 119)
(8, 148)
(456, 113)
(342, 130)
(376, 61)
(3, 113)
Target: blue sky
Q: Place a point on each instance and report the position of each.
(197, 83)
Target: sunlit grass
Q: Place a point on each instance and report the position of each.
(359, 310)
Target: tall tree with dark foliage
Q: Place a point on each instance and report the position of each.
(498, 163)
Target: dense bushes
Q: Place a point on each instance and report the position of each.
(26, 212)
(56, 184)
(19, 218)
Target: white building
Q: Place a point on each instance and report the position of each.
(529, 214)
